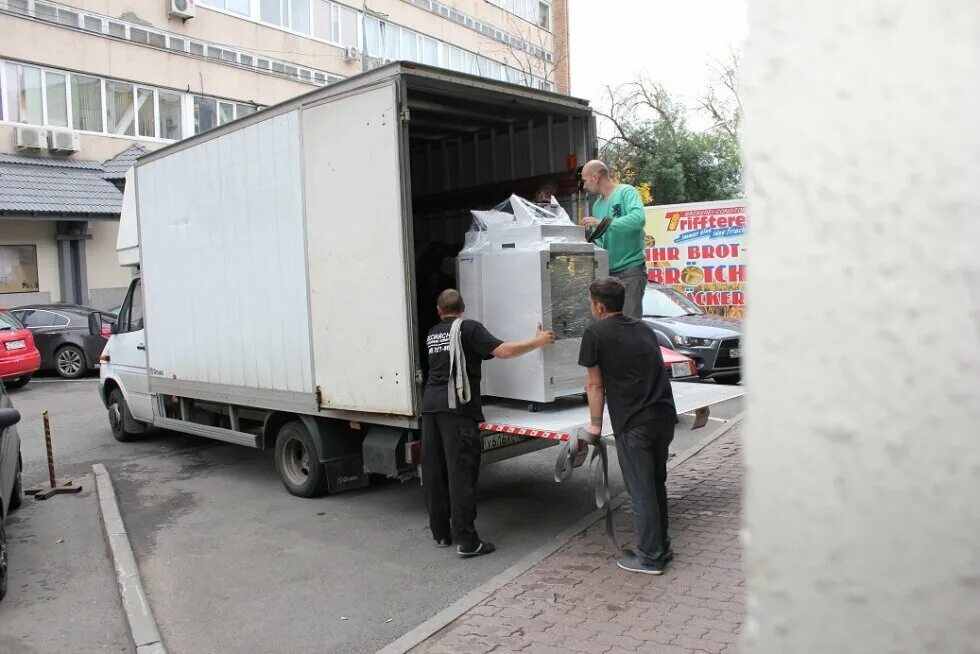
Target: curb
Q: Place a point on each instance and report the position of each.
(142, 625)
(454, 611)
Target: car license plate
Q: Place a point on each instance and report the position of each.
(735, 352)
(16, 345)
(682, 369)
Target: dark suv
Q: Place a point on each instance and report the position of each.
(713, 342)
(11, 487)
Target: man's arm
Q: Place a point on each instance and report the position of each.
(597, 400)
(517, 348)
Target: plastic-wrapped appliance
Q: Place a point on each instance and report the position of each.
(525, 264)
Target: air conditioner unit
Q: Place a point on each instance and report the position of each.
(65, 140)
(181, 8)
(30, 138)
(351, 54)
(376, 62)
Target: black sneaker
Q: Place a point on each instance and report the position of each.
(669, 556)
(633, 564)
(483, 547)
(443, 542)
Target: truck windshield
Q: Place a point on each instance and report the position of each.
(667, 303)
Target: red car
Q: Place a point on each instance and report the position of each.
(19, 358)
(678, 366)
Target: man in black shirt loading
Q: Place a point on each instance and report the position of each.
(626, 369)
(451, 415)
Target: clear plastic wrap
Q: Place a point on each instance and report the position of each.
(518, 223)
(525, 264)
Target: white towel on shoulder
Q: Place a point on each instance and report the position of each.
(459, 382)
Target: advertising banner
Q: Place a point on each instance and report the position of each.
(698, 249)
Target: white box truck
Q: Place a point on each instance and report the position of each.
(283, 278)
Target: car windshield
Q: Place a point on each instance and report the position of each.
(667, 303)
(8, 322)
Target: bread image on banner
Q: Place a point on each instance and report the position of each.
(692, 276)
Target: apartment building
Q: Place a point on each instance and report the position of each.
(86, 86)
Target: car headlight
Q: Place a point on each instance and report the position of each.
(688, 341)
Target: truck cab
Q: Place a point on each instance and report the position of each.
(123, 375)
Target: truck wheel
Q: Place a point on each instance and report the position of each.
(70, 363)
(296, 460)
(119, 416)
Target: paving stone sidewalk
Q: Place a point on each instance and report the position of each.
(577, 600)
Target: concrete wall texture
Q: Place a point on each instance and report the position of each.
(863, 151)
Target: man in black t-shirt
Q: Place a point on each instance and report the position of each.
(626, 370)
(451, 417)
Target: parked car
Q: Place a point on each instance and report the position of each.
(61, 333)
(11, 478)
(713, 342)
(678, 366)
(19, 358)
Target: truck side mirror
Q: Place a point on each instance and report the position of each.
(95, 323)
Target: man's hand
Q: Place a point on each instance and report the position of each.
(595, 430)
(591, 222)
(544, 338)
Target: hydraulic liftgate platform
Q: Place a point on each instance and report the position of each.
(511, 426)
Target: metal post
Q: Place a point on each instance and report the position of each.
(40, 492)
(48, 448)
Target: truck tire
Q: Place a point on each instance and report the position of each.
(120, 417)
(296, 460)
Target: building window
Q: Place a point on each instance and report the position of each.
(226, 112)
(120, 116)
(18, 269)
(270, 11)
(430, 51)
(205, 114)
(22, 94)
(117, 29)
(299, 15)
(92, 23)
(237, 6)
(86, 103)
(146, 112)
(56, 96)
(170, 116)
(33, 95)
(544, 15)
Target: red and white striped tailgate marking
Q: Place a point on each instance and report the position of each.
(525, 431)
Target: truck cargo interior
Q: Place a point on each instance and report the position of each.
(471, 149)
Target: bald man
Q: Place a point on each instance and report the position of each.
(624, 238)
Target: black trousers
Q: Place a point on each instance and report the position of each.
(642, 452)
(451, 450)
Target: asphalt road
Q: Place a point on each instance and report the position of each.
(232, 563)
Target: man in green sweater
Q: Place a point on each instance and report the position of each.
(624, 238)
